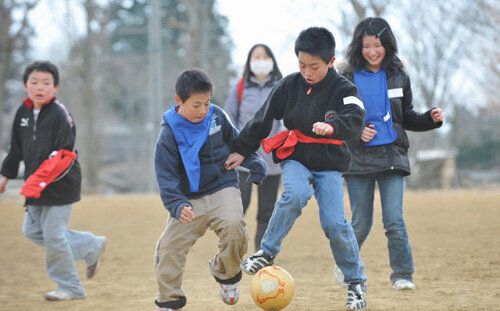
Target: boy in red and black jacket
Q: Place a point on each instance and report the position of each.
(43, 126)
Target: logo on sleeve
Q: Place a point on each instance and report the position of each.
(215, 125)
(329, 115)
(24, 122)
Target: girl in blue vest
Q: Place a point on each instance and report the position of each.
(260, 75)
(380, 153)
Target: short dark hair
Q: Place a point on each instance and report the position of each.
(276, 73)
(379, 27)
(43, 66)
(192, 81)
(316, 41)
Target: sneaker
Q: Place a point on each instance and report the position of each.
(403, 284)
(229, 293)
(339, 276)
(57, 295)
(356, 297)
(167, 309)
(92, 269)
(256, 262)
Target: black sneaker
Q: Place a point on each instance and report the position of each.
(256, 262)
(356, 297)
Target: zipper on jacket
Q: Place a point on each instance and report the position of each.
(35, 121)
(390, 157)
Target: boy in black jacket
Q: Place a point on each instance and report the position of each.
(198, 192)
(321, 110)
(42, 126)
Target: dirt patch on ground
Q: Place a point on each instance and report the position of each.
(455, 236)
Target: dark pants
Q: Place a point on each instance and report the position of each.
(267, 194)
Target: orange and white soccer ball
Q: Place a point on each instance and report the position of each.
(272, 288)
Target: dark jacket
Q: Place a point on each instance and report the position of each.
(171, 175)
(392, 157)
(33, 143)
(334, 100)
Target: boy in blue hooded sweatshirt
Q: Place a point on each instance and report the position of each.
(198, 191)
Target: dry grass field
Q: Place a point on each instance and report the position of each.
(455, 237)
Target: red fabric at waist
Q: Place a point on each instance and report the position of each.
(48, 171)
(284, 142)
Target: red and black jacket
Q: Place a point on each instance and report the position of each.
(33, 142)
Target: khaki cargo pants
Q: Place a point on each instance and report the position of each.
(222, 212)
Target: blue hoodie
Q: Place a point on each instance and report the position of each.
(372, 87)
(173, 180)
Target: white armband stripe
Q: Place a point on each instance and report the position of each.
(353, 100)
(395, 93)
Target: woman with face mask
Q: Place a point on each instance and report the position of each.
(261, 74)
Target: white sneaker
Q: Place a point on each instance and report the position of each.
(403, 284)
(57, 295)
(229, 293)
(356, 297)
(256, 262)
(339, 276)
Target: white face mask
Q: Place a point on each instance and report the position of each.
(261, 67)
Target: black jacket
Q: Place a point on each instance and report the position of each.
(334, 100)
(33, 143)
(392, 157)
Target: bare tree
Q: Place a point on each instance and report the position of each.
(14, 36)
(92, 141)
(84, 69)
(441, 36)
(353, 11)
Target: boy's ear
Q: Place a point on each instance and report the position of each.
(178, 100)
(330, 63)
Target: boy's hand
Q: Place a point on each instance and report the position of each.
(186, 215)
(368, 133)
(3, 183)
(437, 115)
(322, 128)
(233, 161)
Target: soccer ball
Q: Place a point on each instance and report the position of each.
(272, 288)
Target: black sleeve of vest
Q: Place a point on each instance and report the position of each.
(10, 165)
(412, 120)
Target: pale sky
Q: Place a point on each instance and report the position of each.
(275, 23)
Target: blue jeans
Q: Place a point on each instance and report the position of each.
(46, 226)
(327, 188)
(361, 191)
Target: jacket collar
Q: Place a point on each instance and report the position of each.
(321, 84)
(29, 103)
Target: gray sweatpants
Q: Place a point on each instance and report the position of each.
(222, 212)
